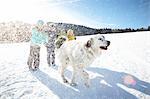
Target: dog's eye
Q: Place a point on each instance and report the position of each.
(100, 39)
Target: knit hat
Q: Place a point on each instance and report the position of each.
(40, 22)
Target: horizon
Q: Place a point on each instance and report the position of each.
(95, 14)
(79, 25)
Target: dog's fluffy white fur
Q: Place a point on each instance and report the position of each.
(80, 54)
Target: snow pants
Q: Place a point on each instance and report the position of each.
(34, 57)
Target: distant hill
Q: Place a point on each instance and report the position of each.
(79, 30)
(21, 32)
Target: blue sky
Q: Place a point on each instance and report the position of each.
(92, 13)
(113, 13)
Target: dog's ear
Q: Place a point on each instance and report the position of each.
(89, 43)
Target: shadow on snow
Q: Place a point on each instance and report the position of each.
(97, 90)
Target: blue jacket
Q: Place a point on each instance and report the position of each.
(38, 37)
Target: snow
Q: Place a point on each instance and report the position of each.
(122, 72)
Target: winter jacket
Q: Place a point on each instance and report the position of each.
(38, 37)
(71, 37)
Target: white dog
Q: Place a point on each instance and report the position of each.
(79, 55)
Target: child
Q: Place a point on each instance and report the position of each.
(38, 38)
(70, 35)
(62, 38)
(51, 44)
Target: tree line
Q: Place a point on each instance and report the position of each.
(109, 30)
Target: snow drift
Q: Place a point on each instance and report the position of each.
(122, 72)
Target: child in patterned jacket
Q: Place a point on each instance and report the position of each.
(51, 31)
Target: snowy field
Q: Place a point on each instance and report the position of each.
(122, 72)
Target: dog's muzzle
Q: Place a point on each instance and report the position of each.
(105, 47)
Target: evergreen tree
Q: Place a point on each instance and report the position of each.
(148, 28)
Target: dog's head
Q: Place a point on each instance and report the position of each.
(98, 42)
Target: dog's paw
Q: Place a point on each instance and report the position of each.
(65, 81)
